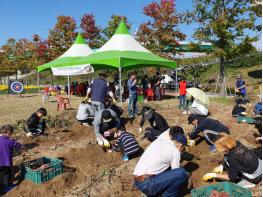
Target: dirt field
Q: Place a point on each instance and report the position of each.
(89, 171)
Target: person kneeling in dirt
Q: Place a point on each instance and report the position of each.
(243, 166)
(157, 121)
(210, 128)
(109, 104)
(85, 114)
(127, 144)
(152, 175)
(36, 124)
(106, 122)
(240, 108)
(7, 146)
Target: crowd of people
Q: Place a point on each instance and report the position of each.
(158, 171)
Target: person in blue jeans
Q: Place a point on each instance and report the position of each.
(132, 87)
(158, 171)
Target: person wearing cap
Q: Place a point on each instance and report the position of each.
(105, 124)
(240, 87)
(157, 122)
(99, 88)
(132, 87)
(211, 128)
(158, 171)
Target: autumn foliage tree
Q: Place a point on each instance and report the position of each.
(160, 34)
(62, 36)
(113, 23)
(224, 23)
(8, 58)
(90, 31)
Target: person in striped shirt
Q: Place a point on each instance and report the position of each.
(126, 143)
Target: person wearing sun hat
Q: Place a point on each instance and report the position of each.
(158, 171)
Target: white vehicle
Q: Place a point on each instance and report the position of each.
(166, 79)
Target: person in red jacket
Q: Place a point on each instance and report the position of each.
(182, 92)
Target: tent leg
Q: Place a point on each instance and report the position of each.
(38, 83)
(120, 85)
(68, 87)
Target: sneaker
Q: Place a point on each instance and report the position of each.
(246, 184)
(212, 148)
(184, 112)
(7, 189)
(125, 158)
(29, 134)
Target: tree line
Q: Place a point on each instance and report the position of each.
(224, 23)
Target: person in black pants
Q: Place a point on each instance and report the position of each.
(209, 127)
(243, 166)
(36, 124)
(157, 121)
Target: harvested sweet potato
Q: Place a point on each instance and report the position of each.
(215, 193)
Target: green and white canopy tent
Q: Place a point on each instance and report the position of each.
(66, 64)
(122, 51)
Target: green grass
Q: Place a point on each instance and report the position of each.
(222, 100)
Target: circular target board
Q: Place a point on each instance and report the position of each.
(17, 87)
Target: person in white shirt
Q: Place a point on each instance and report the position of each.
(152, 175)
(85, 114)
(198, 108)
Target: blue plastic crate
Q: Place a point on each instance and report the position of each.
(232, 189)
(30, 170)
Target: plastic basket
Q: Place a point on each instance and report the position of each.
(245, 119)
(232, 189)
(31, 170)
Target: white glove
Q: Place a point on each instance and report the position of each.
(209, 176)
(218, 169)
(140, 129)
(100, 141)
(190, 142)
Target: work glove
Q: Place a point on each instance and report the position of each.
(190, 142)
(106, 143)
(209, 176)
(100, 141)
(218, 169)
(114, 101)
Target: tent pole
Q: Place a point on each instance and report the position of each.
(68, 87)
(120, 85)
(38, 83)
